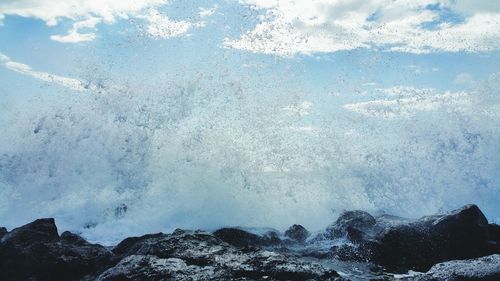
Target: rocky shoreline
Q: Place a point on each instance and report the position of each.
(459, 245)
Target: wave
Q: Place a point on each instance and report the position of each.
(123, 160)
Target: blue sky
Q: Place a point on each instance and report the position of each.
(280, 111)
(458, 51)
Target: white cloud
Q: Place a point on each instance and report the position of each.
(86, 14)
(74, 35)
(163, 27)
(306, 27)
(51, 11)
(465, 79)
(407, 91)
(71, 83)
(409, 103)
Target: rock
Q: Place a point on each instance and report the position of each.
(150, 267)
(266, 265)
(241, 238)
(36, 251)
(39, 230)
(3, 231)
(297, 232)
(188, 255)
(481, 269)
(351, 224)
(400, 244)
(461, 234)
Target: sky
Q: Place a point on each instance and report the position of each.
(331, 104)
(449, 45)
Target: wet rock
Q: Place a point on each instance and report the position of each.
(150, 267)
(400, 244)
(461, 234)
(241, 238)
(39, 230)
(3, 231)
(297, 232)
(266, 265)
(36, 251)
(351, 225)
(481, 269)
(188, 255)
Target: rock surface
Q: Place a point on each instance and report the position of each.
(481, 269)
(297, 233)
(242, 238)
(37, 251)
(460, 245)
(400, 245)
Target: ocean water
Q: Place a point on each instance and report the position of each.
(121, 160)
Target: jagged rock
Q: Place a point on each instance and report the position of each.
(297, 232)
(241, 238)
(351, 220)
(481, 269)
(40, 230)
(400, 244)
(265, 265)
(461, 234)
(3, 231)
(203, 256)
(36, 251)
(150, 267)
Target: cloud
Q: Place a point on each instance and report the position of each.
(86, 14)
(52, 11)
(161, 26)
(407, 91)
(465, 79)
(74, 35)
(416, 100)
(71, 83)
(413, 26)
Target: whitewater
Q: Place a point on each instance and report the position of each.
(212, 150)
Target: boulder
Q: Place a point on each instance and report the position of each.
(42, 230)
(36, 251)
(462, 234)
(400, 244)
(351, 225)
(297, 233)
(3, 231)
(242, 238)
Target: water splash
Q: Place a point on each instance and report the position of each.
(204, 152)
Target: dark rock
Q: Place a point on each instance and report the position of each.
(3, 231)
(39, 230)
(241, 238)
(481, 269)
(461, 234)
(131, 245)
(351, 223)
(71, 238)
(36, 251)
(400, 244)
(187, 255)
(150, 267)
(297, 232)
